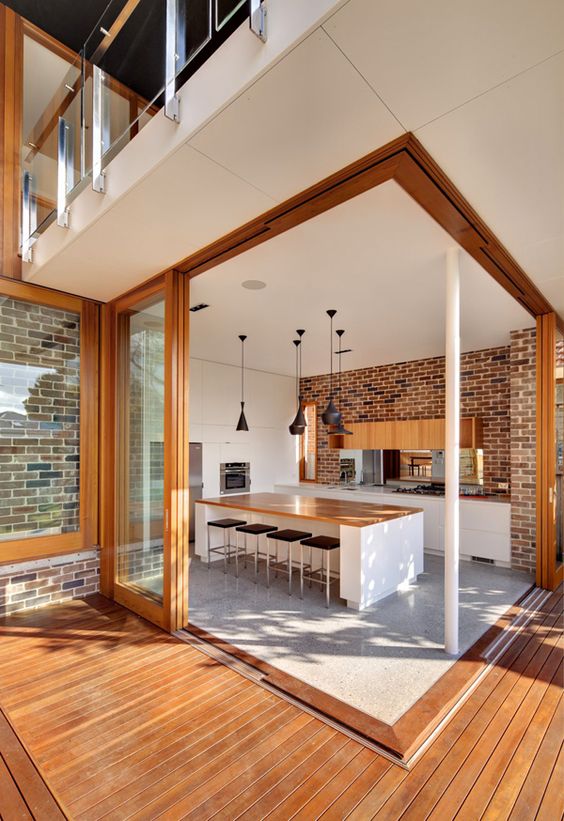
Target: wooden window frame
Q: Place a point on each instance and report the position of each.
(39, 547)
(302, 458)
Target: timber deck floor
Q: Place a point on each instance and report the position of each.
(124, 721)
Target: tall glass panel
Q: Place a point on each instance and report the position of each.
(559, 425)
(132, 59)
(52, 89)
(141, 447)
(39, 420)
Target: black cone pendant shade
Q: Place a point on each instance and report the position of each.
(331, 415)
(341, 427)
(242, 423)
(299, 424)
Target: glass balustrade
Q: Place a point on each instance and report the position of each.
(80, 110)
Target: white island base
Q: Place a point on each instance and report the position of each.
(375, 559)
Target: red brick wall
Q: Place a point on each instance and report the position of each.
(523, 449)
(416, 390)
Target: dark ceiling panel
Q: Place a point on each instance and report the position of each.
(69, 21)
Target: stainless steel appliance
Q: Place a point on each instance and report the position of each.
(195, 483)
(372, 467)
(234, 477)
(364, 467)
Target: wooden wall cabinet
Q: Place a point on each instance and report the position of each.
(407, 434)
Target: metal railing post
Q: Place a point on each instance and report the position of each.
(97, 136)
(62, 170)
(257, 18)
(27, 228)
(172, 103)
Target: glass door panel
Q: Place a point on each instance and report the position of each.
(559, 455)
(141, 448)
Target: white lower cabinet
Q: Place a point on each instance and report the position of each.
(485, 527)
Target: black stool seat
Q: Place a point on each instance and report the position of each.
(256, 529)
(322, 542)
(227, 523)
(289, 535)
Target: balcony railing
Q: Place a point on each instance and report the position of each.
(86, 107)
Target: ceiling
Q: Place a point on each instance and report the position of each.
(379, 260)
(481, 84)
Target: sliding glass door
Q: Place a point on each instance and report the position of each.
(146, 410)
(550, 452)
(558, 457)
(141, 434)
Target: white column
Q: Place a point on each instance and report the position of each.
(452, 449)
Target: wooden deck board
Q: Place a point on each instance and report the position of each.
(23, 793)
(122, 721)
(434, 772)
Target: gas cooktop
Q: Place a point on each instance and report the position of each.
(427, 490)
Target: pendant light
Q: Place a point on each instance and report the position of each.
(331, 415)
(242, 423)
(341, 430)
(299, 424)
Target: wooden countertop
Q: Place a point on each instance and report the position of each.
(334, 511)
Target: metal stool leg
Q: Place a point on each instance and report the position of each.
(256, 559)
(328, 581)
(245, 543)
(310, 566)
(289, 568)
(236, 554)
(276, 560)
(267, 563)
(301, 571)
(225, 540)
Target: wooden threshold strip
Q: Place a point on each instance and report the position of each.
(407, 737)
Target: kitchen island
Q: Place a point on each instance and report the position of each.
(381, 544)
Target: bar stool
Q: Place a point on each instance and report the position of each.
(226, 525)
(257, 530)
(325, 544)
(289, 537)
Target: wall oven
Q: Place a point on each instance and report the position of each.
(234, 477)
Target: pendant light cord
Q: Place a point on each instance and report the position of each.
(339, 366)
(297, 379)
(331, 357)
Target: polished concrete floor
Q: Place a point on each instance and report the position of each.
(380, 660)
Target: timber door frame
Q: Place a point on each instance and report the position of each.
(549, 573)
(173, 613)
(406, 162)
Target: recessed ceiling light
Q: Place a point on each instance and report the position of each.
(254, 284)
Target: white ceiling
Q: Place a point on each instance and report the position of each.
(379, 260)
(481, 84)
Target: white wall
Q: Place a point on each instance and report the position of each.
(215, 395)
